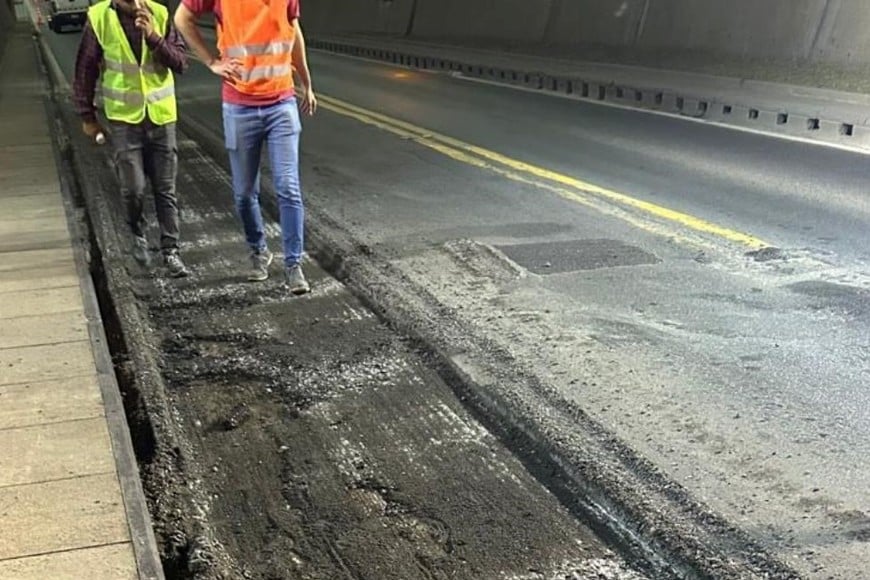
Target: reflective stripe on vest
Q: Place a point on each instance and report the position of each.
(132, 90)
(266, 72)
(137, 99)
(129, 68)
(259, 49)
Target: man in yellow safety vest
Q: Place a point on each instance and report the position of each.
(132, 46)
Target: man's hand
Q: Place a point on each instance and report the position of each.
(145, 22)
(92, 129)
(309, 102)
(228, 68)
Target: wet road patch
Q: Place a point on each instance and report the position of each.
(576, 255)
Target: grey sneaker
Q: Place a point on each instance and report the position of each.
(140, 251)
(175, 266)
(296, 280)
(260, 262)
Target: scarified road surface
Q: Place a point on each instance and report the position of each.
(317, 442)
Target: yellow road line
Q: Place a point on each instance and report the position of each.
(482, 164)
(578, 190)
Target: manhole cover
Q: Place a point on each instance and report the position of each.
(574, 255)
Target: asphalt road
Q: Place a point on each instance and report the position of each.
(745, 381)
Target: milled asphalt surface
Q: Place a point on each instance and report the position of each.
(300, 437)
(743, 381)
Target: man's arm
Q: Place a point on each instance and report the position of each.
(87, 73)
(300, 63)
(185, 22)
(170, 50)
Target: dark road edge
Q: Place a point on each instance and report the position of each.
(650, 519)
(782, 122)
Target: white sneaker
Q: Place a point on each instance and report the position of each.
(260, 262)
(296, 281)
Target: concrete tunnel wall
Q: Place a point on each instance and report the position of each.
(512, 20)
(844, 36)
(835, 31)
(373, 16)
(594, 22)
(751, 28)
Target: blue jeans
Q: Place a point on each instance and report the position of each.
(246, 130)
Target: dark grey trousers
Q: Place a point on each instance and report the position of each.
(151, 151)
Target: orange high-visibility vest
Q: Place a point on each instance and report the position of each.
(258, 33)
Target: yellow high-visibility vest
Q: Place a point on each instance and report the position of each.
(132, 89)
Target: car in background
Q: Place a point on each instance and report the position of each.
(67, 13)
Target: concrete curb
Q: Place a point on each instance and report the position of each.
(142, 536)
(783, 122)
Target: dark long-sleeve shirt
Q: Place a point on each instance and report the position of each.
(169, 51)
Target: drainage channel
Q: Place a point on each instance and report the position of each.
(137, 417)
